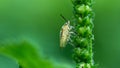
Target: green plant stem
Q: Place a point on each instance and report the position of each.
(83, 39)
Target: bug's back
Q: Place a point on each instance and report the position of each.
(64, 34)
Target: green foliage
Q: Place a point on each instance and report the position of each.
(26, 55)
(83, 13)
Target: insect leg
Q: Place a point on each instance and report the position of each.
(70, 41)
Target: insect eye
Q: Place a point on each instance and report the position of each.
(66, 23)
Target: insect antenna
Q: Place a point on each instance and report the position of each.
(63, 17)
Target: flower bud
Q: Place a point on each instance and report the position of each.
(83, 9)
(82, 42)
(85, 31)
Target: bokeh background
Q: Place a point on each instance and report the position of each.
(39, 22)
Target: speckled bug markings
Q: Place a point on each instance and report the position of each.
(65, 34)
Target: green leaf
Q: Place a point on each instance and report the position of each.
(25, 54)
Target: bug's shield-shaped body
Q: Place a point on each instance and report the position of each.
(64, 34)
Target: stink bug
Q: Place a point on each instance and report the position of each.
(65, 33)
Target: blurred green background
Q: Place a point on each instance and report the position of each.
(39, 22)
